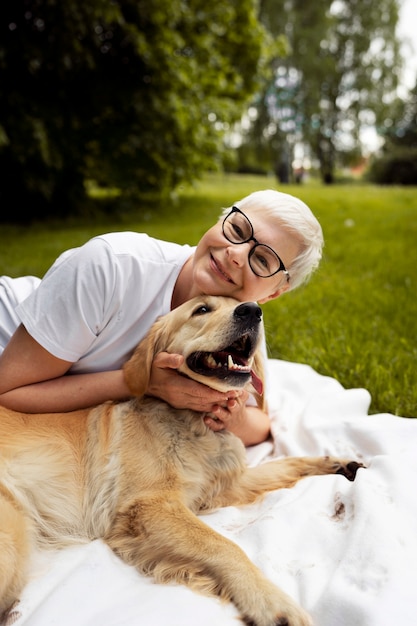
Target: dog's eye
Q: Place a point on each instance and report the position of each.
(202, 310)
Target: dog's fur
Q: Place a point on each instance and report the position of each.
(136, 473)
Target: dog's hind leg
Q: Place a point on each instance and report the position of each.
(161, 536)
(14, 550)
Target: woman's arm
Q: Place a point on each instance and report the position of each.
(32, 380)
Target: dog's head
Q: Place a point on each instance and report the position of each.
(218, 337)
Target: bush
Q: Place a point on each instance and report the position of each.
(396, 167)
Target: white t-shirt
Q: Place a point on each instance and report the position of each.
(98, 301)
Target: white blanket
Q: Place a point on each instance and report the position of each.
(346, 551)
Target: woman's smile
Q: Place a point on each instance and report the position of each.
(219, 270)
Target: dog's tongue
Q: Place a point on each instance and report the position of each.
(257, 383)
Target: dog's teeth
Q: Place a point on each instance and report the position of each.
(231, 365)
(210, 361)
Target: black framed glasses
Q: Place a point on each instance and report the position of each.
(263, 260)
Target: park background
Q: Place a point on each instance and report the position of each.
(154, 115)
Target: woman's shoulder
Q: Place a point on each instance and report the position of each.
(111, 259)
(142, 246)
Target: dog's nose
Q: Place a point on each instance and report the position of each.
(248, 311)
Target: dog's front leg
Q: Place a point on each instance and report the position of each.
(14, 550)
(281, 474)
(160, 536)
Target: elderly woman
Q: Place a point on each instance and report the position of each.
(65, 338)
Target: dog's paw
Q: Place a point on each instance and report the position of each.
(349, 469)
(302, 619)
(294, 617)
(11, 615)
(279, 611)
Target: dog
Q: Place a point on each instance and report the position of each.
(137, 473)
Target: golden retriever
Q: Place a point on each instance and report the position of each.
(136, 473)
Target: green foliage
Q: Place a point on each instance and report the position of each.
(341, 72)
(357, 318)
(134, 94)
(397, 165)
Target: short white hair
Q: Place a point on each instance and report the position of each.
(296, 217)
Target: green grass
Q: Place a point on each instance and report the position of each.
(357, 318)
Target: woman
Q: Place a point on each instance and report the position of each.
(96, 302)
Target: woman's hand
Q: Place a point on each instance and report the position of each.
(249, 423)
(182, 392)
(225, 410)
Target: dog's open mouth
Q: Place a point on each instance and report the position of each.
(233, 363)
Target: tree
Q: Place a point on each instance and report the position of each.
(129, 93)
(344, 65)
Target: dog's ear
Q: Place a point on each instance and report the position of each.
(259, 369)
(137, 370)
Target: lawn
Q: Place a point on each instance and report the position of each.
(356, 320)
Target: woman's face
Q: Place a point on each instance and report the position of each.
(222, 268)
